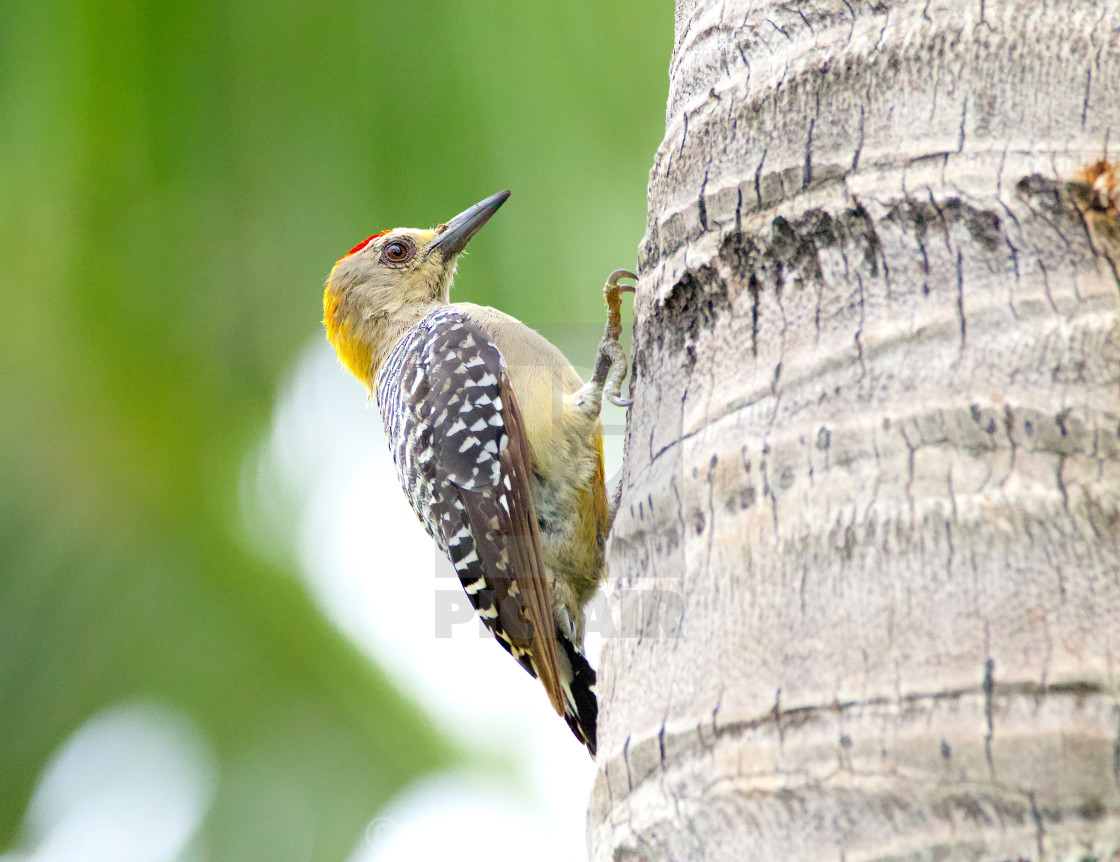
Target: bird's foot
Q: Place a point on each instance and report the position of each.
(611, 366)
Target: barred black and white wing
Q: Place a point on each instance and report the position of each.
(459, 443)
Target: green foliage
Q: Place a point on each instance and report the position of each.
(176, 180)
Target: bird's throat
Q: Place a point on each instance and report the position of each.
(362, 344)
(353, 350)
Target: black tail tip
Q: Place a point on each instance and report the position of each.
(583, 719)
(583, 730)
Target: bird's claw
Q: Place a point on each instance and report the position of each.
(612, 359)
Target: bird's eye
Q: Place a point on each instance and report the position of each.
(398, 251)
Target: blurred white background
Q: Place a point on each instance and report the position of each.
(380, 578)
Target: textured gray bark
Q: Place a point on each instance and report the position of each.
(872, 481)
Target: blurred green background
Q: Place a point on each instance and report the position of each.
(176, 180)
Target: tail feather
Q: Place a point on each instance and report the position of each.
(581, 708)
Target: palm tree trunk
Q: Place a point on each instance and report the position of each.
(869, 535)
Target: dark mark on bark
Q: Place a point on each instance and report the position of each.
(1092, 810)
(693, 304)
(988, 688)
(626, 760)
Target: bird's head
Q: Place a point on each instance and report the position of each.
(387, 282)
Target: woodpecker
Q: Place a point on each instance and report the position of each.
(496, 439)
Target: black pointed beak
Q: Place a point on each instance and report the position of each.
(453, 237)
